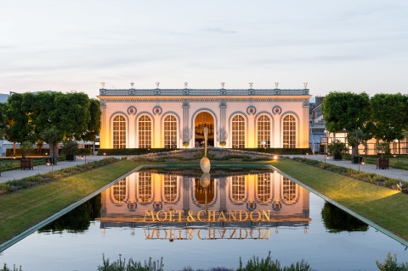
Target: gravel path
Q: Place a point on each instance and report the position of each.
(370, 168)
(18, 174)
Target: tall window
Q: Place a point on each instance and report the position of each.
(289, 132)
(238, 188)
(264, 131)
(119, 191)
(170, 188)
(264, 192)
(119, 132)
(145, 187)
(170, 132)
(145, 131)
(238, 132)
(289, 190)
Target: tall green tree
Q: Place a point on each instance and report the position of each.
(94, 124)
(347, 111)
(19, 126)
(389, 113)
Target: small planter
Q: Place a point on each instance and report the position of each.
(338, 157)
(70, 157)
(382, 163)
(355, 159)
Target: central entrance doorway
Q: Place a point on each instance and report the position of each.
(202, 120)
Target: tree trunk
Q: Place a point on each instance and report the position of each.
(355, 150)
(23, 154)
(56, 149)
(51, 144)
(14, 148)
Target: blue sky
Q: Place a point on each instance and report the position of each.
(75, 45)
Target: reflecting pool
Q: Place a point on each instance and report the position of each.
(161, 213)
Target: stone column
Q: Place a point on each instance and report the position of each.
(104, 134)
(223, 194)
(186, 194)
(186, 120)
(223, 109)
(305, 123)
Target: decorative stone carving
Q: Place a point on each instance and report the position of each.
(186, 104)
(277, 110)
(223, 103)
(306, 103)
(251, 110)
(157, 110)
(131, 110)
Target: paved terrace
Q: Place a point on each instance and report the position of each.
(19, 174)
(370, 168)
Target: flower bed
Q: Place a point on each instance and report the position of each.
(363, 176)
(24, 183)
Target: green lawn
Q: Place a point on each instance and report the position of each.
(20, 211)
(383, 206)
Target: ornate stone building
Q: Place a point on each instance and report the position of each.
(167, 118)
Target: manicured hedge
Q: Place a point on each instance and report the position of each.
(32, 153)
(84, 151)
(144, 151)
(278, 150)
(131, 151)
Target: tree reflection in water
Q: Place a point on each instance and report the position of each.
(77, 220)
(336, 220)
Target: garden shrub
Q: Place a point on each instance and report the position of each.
(255, 264)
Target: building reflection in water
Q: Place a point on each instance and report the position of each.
(287, 202)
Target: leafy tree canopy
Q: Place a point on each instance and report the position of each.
(389, 113)
(346, 110)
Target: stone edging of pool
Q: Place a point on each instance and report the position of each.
(57, 215)
(365, 220)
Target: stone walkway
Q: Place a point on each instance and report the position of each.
(370, 168)
(19, 174)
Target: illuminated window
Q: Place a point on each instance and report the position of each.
(170, 132)
(264, 131)
(238, 188)
(170, 188)
(289, 190)
(119, 132)
(145, 187)
(119, 191)
(238, 132)
(145, 131)
(264, 191)
(289, 132)
(199, 192)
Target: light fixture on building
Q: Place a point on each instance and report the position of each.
(132, 85)
(185, 85)
(157, 84)
(222, 85)
(276, 85)
(250, 85)
(103, 85)
(305, 85)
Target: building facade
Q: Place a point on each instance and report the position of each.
(167, 118)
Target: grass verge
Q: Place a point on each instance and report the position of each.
(20, 211)
(383, 206)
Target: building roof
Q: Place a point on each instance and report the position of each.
(202, 92)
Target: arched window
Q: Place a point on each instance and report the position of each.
(264, 191)
(170, 132)
(145, 131)
(119, 132)
(264, 131)
(289, 190)
(238, 132)
(289, 132)
(170, 188)
(145, 187)
(119, 191)
(238, 188)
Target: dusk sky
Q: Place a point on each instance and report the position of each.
(332, 45)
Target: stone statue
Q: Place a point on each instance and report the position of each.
(205, 162)
(205, 167)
